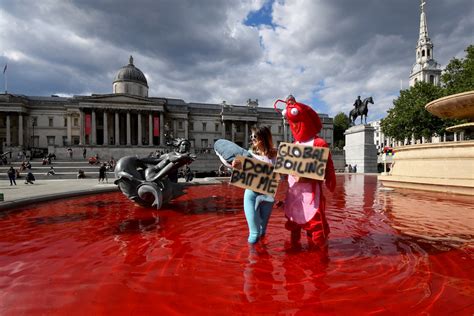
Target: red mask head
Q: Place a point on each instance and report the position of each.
(304, 122)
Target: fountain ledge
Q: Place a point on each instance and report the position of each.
(440, 167)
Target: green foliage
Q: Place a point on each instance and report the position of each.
(458, 75)
(409, 117)
(341, 123)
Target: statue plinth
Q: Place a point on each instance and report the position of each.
(360, 149)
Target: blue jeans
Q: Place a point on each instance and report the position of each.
(257, 217)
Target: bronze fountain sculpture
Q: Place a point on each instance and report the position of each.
(151, 181)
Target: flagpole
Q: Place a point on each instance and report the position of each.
(5, 77)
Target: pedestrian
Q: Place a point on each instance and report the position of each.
(51, 172)
(257, 206)
(354, 169)
(81, 174)
(12, 176)
(103, 173)
(30, 178)
(69, 152)
(305, 204)
(84, 152)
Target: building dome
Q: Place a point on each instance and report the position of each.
(131, 80)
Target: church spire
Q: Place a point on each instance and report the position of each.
(423, 25)
(425, 69)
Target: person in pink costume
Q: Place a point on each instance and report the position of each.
(305, 203)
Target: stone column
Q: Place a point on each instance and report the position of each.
(117, 129)
(94, 129)
(9, 135)
(139, 125)
(129, 135)
(20, 129)
(81, 128)
(232, 132)
(69, 129)
(246, 134)
(186, 129)
(162, 130)
(150, 129)
(223, 129)
(106, 129)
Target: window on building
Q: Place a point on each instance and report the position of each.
(238, 128)
(65, 141)
(204, 126)
(34, 121)
(51, 140)
(428, 53)
(228, 127)
(204, 143)
(180, 125)
(50, 121)
(423, 53)
(76, 122)
(431, 79)
(65, 122)
(191, 126)
(216, 127)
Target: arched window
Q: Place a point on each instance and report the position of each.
(423, 53)
(431, 79)
(428, 53)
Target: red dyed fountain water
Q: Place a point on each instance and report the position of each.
(388, 253)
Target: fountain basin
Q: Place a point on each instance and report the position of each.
(389, 253)
(442, 167)
(459, 106)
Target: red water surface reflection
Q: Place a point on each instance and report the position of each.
(390, 252)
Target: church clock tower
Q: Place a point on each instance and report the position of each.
(425, 69)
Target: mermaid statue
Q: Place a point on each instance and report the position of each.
(152, 181)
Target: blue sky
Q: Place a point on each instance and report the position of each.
(325, 53)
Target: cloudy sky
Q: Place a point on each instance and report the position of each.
(324, 52)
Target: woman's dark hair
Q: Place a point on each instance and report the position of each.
(264, 134)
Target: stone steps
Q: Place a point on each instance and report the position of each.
(65, 169)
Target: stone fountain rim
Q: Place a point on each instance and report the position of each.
(458, 101)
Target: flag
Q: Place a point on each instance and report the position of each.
(5, 68)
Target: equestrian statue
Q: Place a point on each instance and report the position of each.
(152, 181)
(360, 109)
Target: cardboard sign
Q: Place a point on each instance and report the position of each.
(302, 160)
(255, 175)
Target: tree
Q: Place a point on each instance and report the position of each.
(408, 116)
(458, 75)
(341, 124)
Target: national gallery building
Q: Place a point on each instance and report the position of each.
(129, 122)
